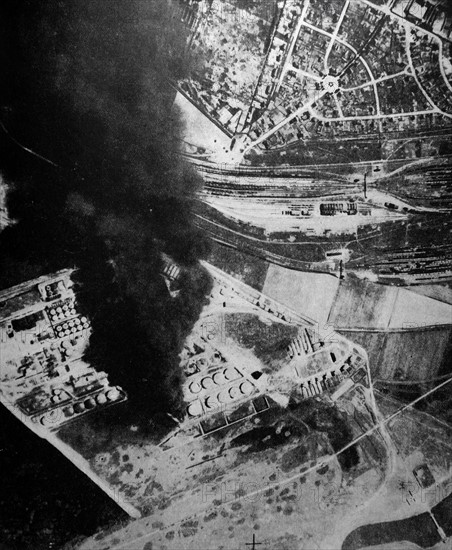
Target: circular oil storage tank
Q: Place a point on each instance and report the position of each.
(207, 383)
(46, 421)
(195, 408)
(230, 374)
(113, 394)
(191, 368)
(201, 363)
(215, 358)
(79, 407)
(101, 398)
(219, 378)
(69, 411)
(211, 402)
(246, 387)
(90, 403)
(195, 387)
(224, 397)
(59, 310)
(234, 392)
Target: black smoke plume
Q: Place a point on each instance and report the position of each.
(85, 88)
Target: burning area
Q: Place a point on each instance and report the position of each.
(89, 151)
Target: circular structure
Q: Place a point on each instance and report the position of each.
(191, 368)
(224, 397)
(201, 363)
(219, 378)
(113, 394)
(330, 84)
(79, 407)
(234, 392)
(195, 408)
(90, 403)
(69, 411)
(211, 402)
(101, 399)
(207, 383)
(246, 387)
(195, 387)
(215, 358)
(230, 374)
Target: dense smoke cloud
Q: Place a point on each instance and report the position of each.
(85, 86)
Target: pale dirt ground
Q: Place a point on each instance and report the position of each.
(199, 130)
(310, 293)
(322, 298)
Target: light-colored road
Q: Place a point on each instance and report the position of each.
(334, 35)
(293, 40)
(406, 71)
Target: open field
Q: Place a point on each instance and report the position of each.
(406, 355)
(312, 293)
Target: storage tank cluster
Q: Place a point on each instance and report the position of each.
(62, 414)
(242, 388)
(102, 398)
(73, 326)
(62, 310)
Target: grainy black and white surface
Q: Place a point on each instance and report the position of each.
(255, 199)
